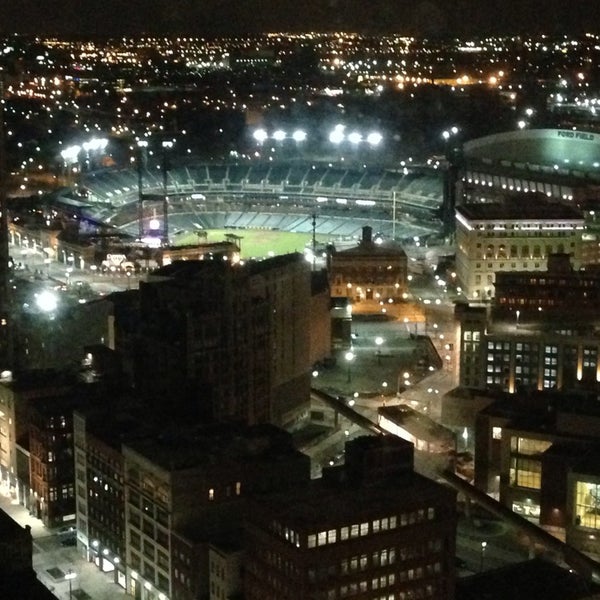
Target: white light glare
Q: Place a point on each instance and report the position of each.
(260, 135)
(337, 135)
(374, 138)
(299, 135)
(46, 301)
(355, 137)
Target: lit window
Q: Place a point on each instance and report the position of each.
(497, 433)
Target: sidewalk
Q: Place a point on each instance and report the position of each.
(52, 561)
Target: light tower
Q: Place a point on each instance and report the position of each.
(166, 145)
(141, 155)
(6, 324)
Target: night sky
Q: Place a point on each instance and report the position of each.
(213, 17)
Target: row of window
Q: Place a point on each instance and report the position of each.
(356, 530)
(360, 587)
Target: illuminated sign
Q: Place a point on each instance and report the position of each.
(577, 135)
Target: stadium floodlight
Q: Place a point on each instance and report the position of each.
(354, 137)
(260, 135)
(374, 138)
(299, 135)
(279, 135)
(337, 135)
(95, 144)
(71, 154)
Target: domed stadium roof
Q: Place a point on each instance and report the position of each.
(545, 149)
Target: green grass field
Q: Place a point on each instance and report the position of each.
(255, 243)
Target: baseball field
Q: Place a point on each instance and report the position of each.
(253, 243)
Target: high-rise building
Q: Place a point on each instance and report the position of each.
(235, 337)
(371, 529)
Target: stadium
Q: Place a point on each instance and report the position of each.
(561, 164)
(402, 204)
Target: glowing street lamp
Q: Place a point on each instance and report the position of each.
(69, 576)
(379, 340)
(349, 356)
(483, 547)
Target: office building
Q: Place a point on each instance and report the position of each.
(538, 455)
(236, 338)
(558, 352)
(151, 500)
(553, 292)
(516, 234)
(371, 529)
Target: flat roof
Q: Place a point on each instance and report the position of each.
(177, 449)
(524, 206)
(527, 580)
(327, 501)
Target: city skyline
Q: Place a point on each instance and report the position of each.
(217, 17)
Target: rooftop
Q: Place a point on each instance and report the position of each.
(525, 581)
(326, 500)
(525, 206)
(176, 449)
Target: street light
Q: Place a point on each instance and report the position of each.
(349, 356)
(379, 340)
(483, 547)
(70, 575)
(518, 313)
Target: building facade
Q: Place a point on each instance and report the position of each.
(538, 455)
(150, 501)
(515, 355)
(235, 337)
(358, 538)
(517, 234)
(372, 271)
